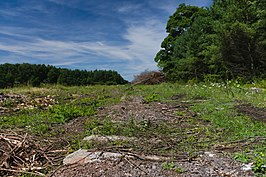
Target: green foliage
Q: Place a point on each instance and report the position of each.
(226, 41)
(35, 75)
(259, 159)
(168, 165)
(151, 98)
(64, 113)
(242, 157)
(107, 127)
(40, 120)
(172, 166)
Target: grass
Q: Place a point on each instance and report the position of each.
(217, 121)
(73, 102)
(172, 167)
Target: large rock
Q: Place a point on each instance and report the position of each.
(84, 156)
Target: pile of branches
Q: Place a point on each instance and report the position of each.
(23, 154)
(15, 102)
(149, 78)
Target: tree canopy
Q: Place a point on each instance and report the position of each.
(34, 75)
(225, 41)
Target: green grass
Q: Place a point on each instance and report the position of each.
(73, 102)
(217, 120)
(217, 105)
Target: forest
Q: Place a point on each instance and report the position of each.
(36, 74)
(223, 42)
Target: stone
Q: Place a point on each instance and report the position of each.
(113, 155)
(76, 156)
(84, 156)
(210, 154)
(247, 167)
(107, 138)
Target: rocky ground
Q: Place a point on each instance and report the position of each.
(206, 164)
(119, 162)
(150, 156)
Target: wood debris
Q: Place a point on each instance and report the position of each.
(22, 153)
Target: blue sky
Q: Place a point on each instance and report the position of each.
(121, 35)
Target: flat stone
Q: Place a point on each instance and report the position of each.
(77, 156)
(84, 156)
(107, 138)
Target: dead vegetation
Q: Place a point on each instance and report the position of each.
(21, 153)
(15, 102)
(149, 78)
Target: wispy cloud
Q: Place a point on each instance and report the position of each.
(120, 35)
(8, 12)
(143, 43)
(126, 8)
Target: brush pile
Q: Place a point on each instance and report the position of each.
(149, 78)
(23, 154)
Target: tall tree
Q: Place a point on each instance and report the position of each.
(226, 41)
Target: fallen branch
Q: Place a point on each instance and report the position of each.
(23, 153)
(136, 166)
(21, 171)
(242, 142)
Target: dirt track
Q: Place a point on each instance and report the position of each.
(215, 162)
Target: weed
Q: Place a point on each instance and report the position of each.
(259, 166)
(242, 157)
(151, 98)
(172, 167)
(168, 166)
(180, 113)
(179, 170)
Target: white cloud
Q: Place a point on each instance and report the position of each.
(9, 13)
(143, 37)
(126, 8)
(143, 43)
(146, 39)
(168, 7)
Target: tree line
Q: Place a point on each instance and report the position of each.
(36, 74)
(223, 42)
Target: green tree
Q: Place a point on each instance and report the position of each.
(52, 75)
(34, 75)
(226, 41)
(241, 49)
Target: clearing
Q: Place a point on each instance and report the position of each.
(160, 130)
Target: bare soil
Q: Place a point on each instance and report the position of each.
(211, 162)
(202, 166)
(258, 114)
(19, 150)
